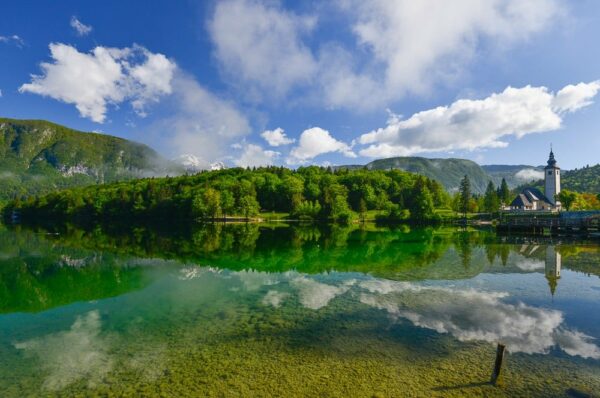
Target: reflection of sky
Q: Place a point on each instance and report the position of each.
(71, 355)
(466, 313)
(489, 307)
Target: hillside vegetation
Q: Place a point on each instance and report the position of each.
(514, 175)
(38, 157)
(448, 172)
(586, 179)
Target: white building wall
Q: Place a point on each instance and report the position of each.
(552, 183)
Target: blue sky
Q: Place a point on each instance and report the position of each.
(342, 82)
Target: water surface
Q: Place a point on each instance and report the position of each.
(249, 310)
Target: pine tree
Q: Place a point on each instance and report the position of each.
(490, 199)
(465, 195)
(504, 194)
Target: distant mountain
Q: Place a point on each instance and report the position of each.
(448, 172)
(37, 156)
(190, 163)
(193, 164)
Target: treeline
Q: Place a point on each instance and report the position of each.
(572, 200)
(464, 201)
(311, 193)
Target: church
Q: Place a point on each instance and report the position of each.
(532, 199)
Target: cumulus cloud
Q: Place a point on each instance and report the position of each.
(421, 42)
(529, 264)
(314, 142)
(315, 295)
(274, 298)
(399, 47)
(261, 45)
(471, 124)
(12, 39)
(477, 315)
(529, 174)
(202, 124)
(80, 353)
(276, 137)
(574, 97)
(80, 28)
(92, 81)
(254, 155)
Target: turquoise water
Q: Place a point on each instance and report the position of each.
(249, 310)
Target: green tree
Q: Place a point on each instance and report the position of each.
(362, 209)
(567, 198)
(491, 202)
(465, 195)
(207, 204)
(421, 202)
(504, 192)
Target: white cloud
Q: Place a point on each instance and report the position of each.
(202, 124)
(80, 28)
(574, 97)
(255, 155)
(477, 315)
(529, 174)
(316, 141)
(529, 264)
(105, 76)
(260, 45)
(276, 137)
(274, 298)
(80, 353)
(421, 42)
(315, 295)
(13, 39)
(472, 124)
(152, 78)
(400, 47)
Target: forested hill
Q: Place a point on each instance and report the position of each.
(515, 175)
(448, 172)
(38, 156)
(586, 179)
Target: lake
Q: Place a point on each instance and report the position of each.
(301, 310)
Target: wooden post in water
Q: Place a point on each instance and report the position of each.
(498, 364)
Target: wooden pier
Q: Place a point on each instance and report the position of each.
(569, 223)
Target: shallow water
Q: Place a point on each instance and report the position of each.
(248, 310)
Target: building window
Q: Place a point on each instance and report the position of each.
(549, 173)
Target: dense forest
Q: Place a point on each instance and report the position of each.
(311, 193)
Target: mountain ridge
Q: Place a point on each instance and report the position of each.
(37, 156)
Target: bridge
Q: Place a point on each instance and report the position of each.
(568, 222)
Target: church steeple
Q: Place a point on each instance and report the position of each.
(552, 179)
(551, 160)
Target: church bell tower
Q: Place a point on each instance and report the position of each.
(552, 180)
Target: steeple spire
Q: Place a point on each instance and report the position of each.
(551, 160)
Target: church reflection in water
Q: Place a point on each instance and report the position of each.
(552, 267)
